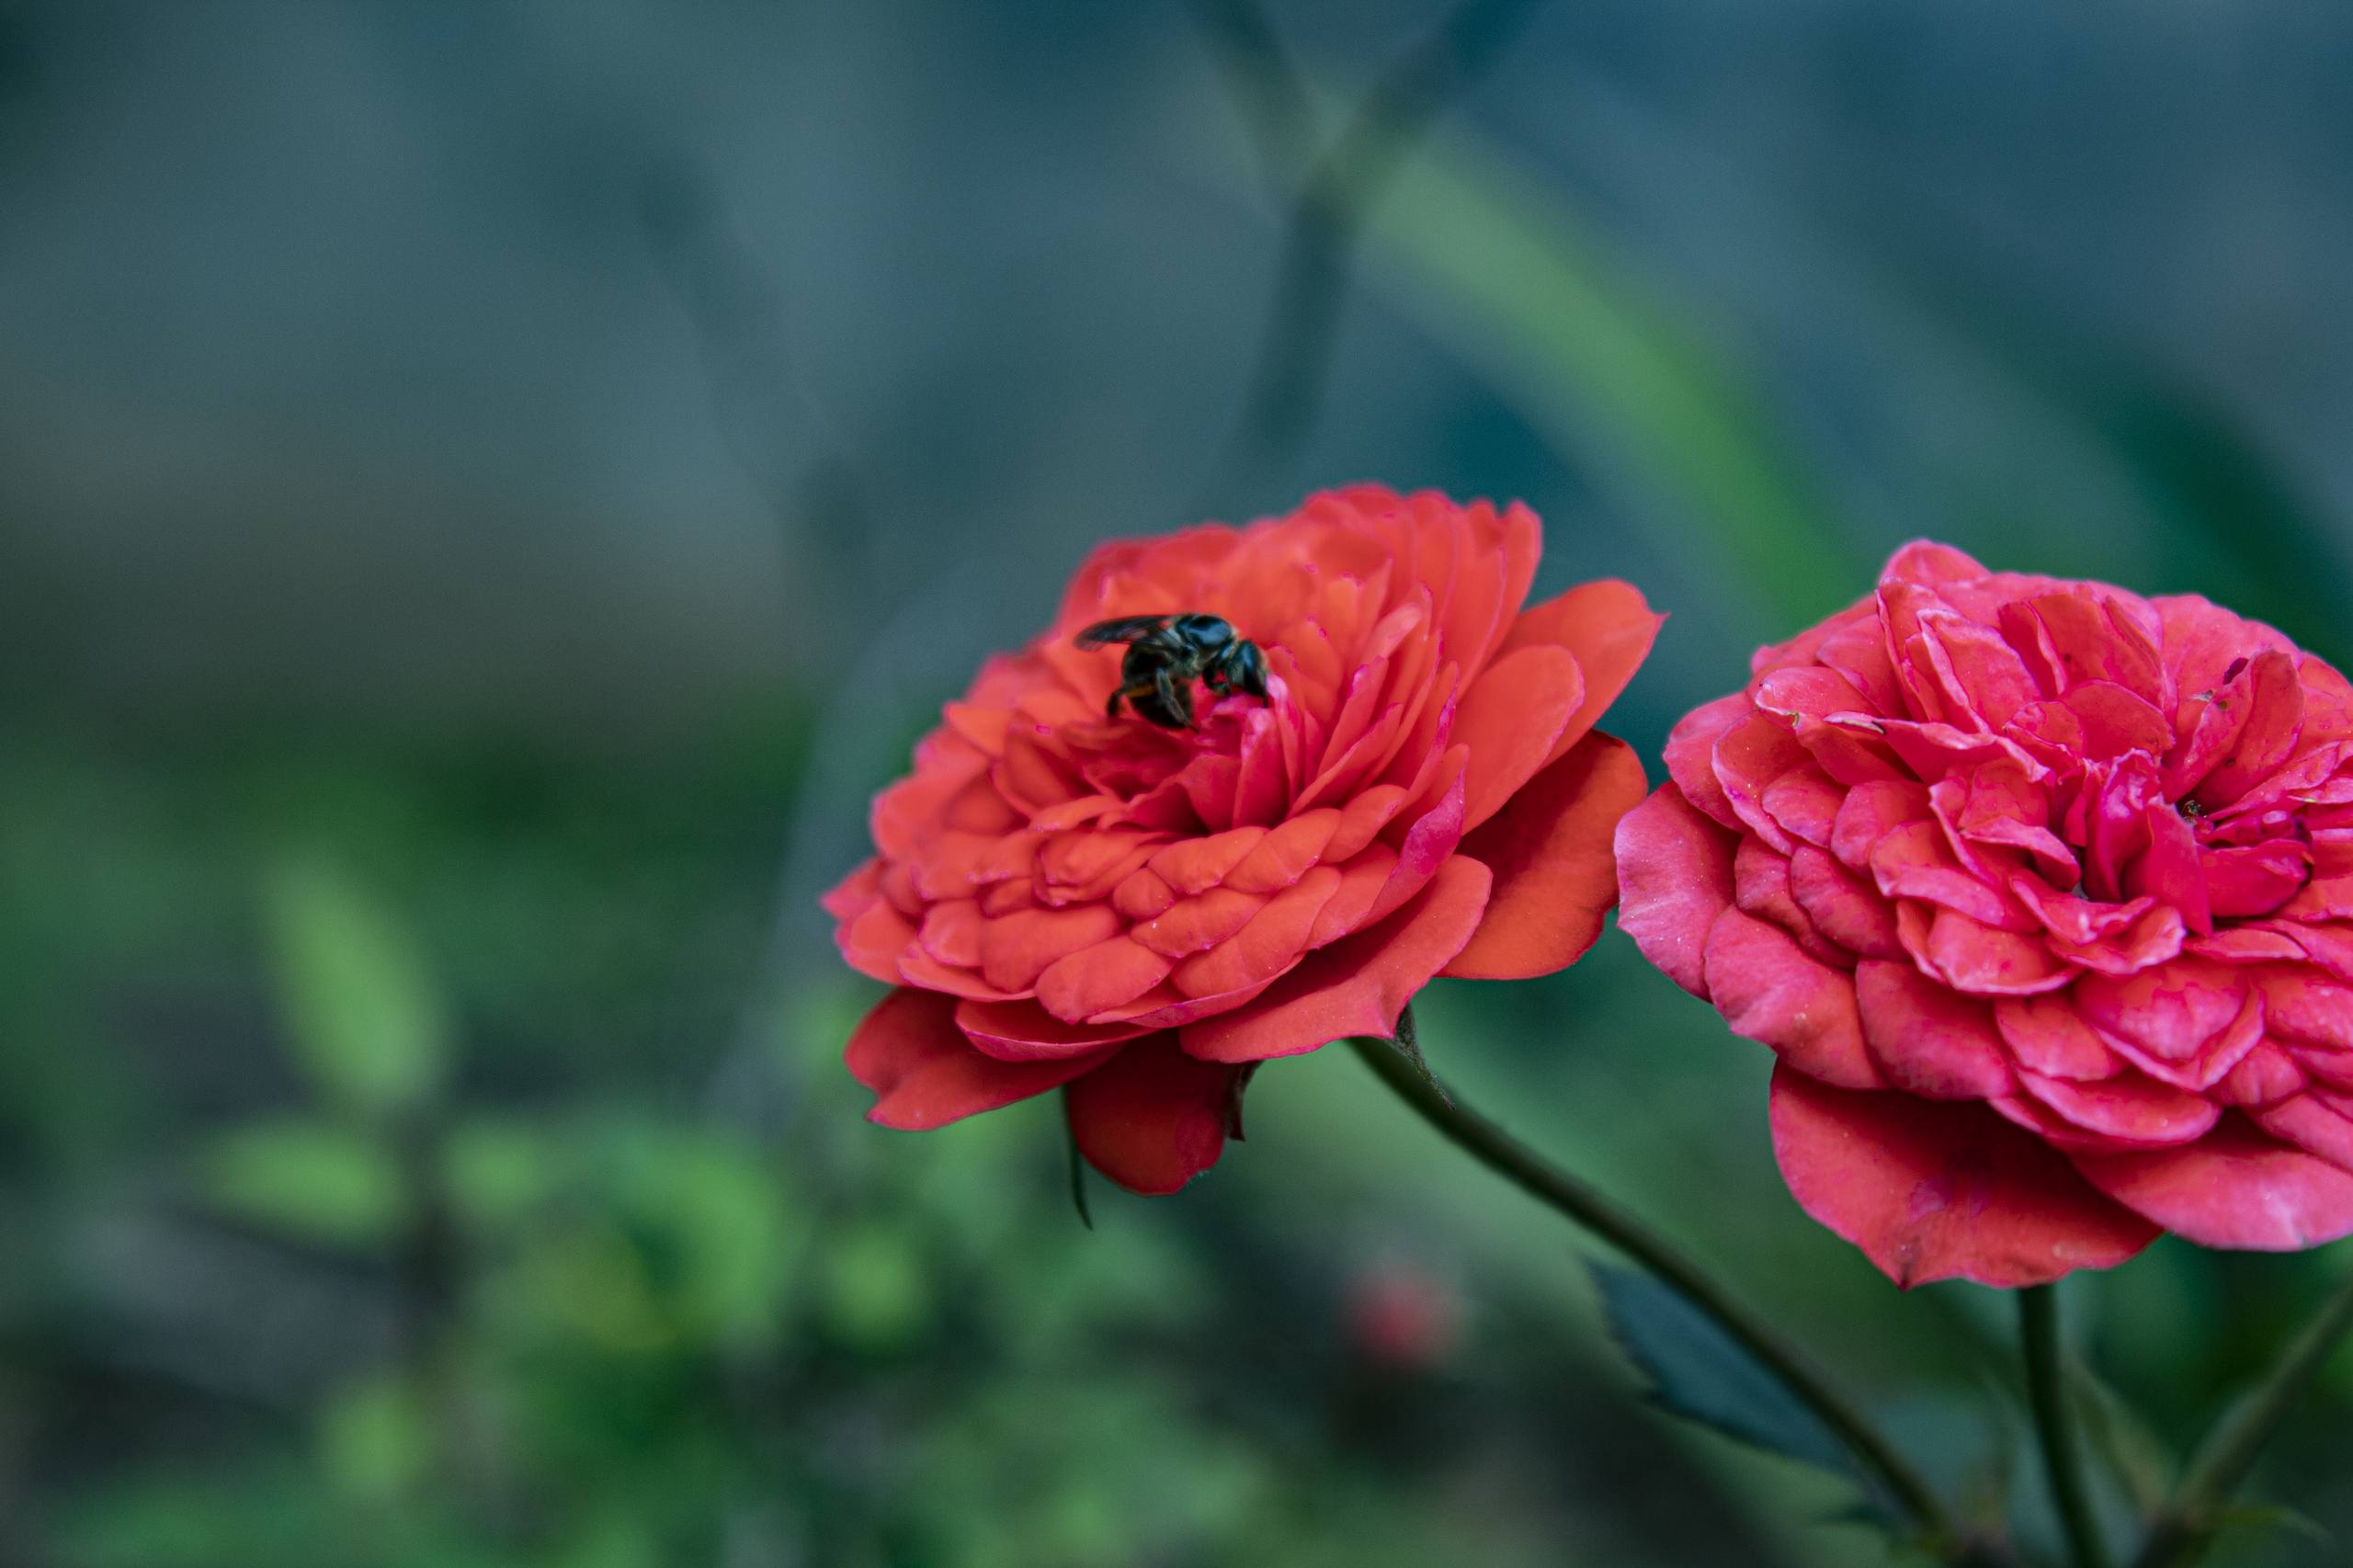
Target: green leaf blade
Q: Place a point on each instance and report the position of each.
(363, 1018)
(1698, 1373)
(309, 1179)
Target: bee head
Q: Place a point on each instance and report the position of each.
(1243, 668)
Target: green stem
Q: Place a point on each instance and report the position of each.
(1600, 1215)
(2055, 1424)
(2185, 1528)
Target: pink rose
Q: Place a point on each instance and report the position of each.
(2042, 893)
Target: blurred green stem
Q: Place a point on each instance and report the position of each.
(1398, 1064)
(2055, 1424)
(2186, 1527)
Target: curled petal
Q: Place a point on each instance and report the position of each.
(2045, 1036)
(2234, 1187)
(875, 940)
(1691, 750)
(1871, 811)
(1268, 944)
(2130, 1107)
(2172, 1011)
(1845, 908)
(2313, 1122)
(2268, 738)
(1094, 981)
(1750, 757)
(2304, 1008)
(1675, 876)
(847, 899)
(1608, 626)
(1554, 875)
(1805, 804)
(1017, 948)
(1761, 879)
(924, 1074)
(1509, 719)
(2267, 1075)
(1927, 1040)
(1356, 986)
(1983, 961)
(1770, 992)
(1024, 1032)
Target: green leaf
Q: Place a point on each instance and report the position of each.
(2272, 1518)
(362, 1017)
(497, 1171)
(375, 1441)
(1698, 1373)
(310, 1180)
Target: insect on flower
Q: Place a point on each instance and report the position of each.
(1167, 654)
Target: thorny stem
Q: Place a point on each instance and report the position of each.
(1602, 1217)
(2055, 1424)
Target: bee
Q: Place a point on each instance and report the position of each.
(1167, 654)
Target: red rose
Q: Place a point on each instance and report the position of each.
(2042, 894)
(1138, 914)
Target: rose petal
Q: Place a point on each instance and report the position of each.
(1095, 980)
(1198, 923)
(1510, 717)
(1017, 948)
(1691, 754)
(924, 1074)
(2234, 1187)
(1556, 876)
(1674, 878)
(1939, 1191)
(1927, 1040)
(1152, 1117)
(1844, 907)
(847, 899)
(1871, 811)
(2275, 713)
(1750, 757)
(1769, 991)
(1761, 886)
(2130, 1107)
(2310, 1124)
(1358, 986)
(2045, 1036)
(1608, 626)
(1268, 944)
(2171, 1011)
(875, 940)
(1972, 957)
(1024, 1032)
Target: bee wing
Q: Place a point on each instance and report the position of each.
(1127, 628)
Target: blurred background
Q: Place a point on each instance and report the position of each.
(488, 491)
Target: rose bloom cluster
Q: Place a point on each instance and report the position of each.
(1138, 912)
(2042, 893)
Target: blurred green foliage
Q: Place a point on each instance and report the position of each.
(536, 1294)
